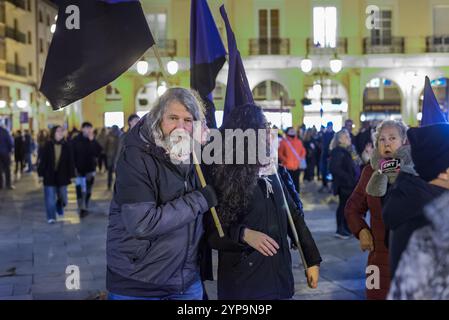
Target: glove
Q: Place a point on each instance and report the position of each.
(209, 194)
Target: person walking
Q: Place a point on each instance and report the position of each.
(86, 151)
(56, 169)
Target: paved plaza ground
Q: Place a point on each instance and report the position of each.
(34, 255)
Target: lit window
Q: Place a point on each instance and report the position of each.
(325, 26)
(114, 118)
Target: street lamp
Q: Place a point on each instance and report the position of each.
(306, 65)
(336, 64)
(172, 67)
(142, 67)
(22, 104)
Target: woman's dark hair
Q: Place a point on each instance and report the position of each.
(234, 182)
(53, 132)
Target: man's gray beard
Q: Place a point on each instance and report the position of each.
(179, 151)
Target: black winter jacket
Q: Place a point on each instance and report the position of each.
(85, 154)
(244, 273)
(403, 212)
(155, 221)
(61, 175)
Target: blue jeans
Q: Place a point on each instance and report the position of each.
(29, 162)
(194, 292)
(55, 200)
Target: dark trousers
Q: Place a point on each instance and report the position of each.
(324, 171)
(102, 160)
(309, 173)
(19, 163)
(84, 191)
(342, 226)
(110, 175)
(5, 169)
(295, 174)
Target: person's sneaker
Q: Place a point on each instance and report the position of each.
(51, 221)
(12, 188)
(342, 236)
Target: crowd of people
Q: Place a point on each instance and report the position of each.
(60, 159)
(160, 233)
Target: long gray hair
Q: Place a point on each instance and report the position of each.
(188, 98)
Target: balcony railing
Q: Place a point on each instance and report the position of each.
(18, 3)
(167, 47)
(16, 35)
(383, 45)
(270, 46)
(341, 47)
(437, 44)
(16, 70)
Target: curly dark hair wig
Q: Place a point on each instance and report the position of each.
(234, 182)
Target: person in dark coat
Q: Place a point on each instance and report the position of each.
(56, 168)
(327, 137)
(111, 150)
(404, 210)
(28, 149)
(156, 214)
(86, 151)
(6, 147)
(254, 260)
(311, 155)
(370, 194)
(19, 152)
(344, 165)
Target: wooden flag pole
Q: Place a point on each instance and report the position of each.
(199, 171)
(292, 225)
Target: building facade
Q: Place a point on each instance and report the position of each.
(307, 61)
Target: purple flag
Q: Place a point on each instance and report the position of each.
(431, 111)
(238, 92)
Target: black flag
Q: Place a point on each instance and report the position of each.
(94, 43)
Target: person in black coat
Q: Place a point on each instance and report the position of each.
(56, 169)
(345, 168)
(19, 152)
(86, 150)
(254, 256)
(413, 190)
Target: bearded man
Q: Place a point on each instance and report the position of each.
(155, 221)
